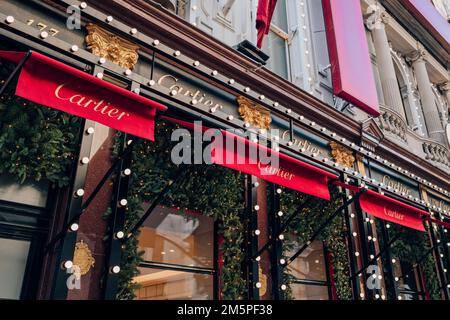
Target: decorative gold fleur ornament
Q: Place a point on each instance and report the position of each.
(111, 47)
(83, 258)
(342, 155)
(253, 113)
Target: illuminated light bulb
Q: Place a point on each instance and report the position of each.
(115, 269)
(120, 235)
(68, 264)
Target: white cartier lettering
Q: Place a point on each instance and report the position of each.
(98, 106)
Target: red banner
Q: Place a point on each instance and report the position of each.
(392, 210)
(263, 18)
(56, 85)
(351, 67)
(238, 153)
(431, 19)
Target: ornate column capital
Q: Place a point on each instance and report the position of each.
(376, 17)
(417, 55)
(445, 86)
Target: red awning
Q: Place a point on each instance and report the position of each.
(351, 67)
(389, 209)
(54, 84)
(392, 210)
(238, 153)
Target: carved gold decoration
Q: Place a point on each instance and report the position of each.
(342, 155)
(253, 113)
(83, 258)
(107, 45)
(263, 281)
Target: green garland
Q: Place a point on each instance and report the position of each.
(36, 142)
(212, 190)
(305, 224)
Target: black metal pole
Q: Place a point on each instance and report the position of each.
(92, 196)
(438, 261)
(277, 246)
(351, 247)
(391, 286)
(285, 224)
(251, 238)
(346, 203)
(364, 254)
(15, 72)
(66, 249)
(116, 227)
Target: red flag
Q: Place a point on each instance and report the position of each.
(263, 18)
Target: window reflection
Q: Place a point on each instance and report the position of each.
(13, 260)
(178, 249)
(310, 265)
(158, 284)
(310, 272)
(309, 292)
(169, 236)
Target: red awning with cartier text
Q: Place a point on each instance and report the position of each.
(392, 210)
(351, 67)
(388, 209)
(54, 84)
(238, 153)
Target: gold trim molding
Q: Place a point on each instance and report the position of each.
(107, 45)
(82, 257)
(253, 113)
(342, 155)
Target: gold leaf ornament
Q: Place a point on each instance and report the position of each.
(83, 258)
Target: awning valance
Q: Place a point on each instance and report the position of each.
(389, 209)
(392, 210)
(54, 84)
(238, 153)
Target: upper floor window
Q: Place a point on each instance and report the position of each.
(276, 44)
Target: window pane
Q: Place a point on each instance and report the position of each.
(157, 284)
(30, 192)
(275, 47)
(169, 236)
(13, 260)
(279, 18)
(310, 265)
(309, 292)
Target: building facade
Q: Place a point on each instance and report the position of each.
(358, 211)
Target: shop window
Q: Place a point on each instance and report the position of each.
(310, 270)
(276, 43)
(13, 261)
(29, 193)
(167, 284)
(409, 281)
(178, 253)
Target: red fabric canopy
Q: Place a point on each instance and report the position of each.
(235, 152)
(392, 210)
(56, 85)
(389, 209)
(351, 67)
(263, 18)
